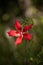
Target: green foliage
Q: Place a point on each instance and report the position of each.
(5, 17)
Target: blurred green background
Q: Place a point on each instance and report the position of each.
(27, 12)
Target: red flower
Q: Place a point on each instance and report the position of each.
(20, 33)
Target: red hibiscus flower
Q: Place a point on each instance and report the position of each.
(20, 33)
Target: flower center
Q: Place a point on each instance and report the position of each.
(21, 34)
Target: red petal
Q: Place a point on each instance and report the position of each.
(18, 40)
(27, 36)
(17, 25)
(27, 27)
(13, 33)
